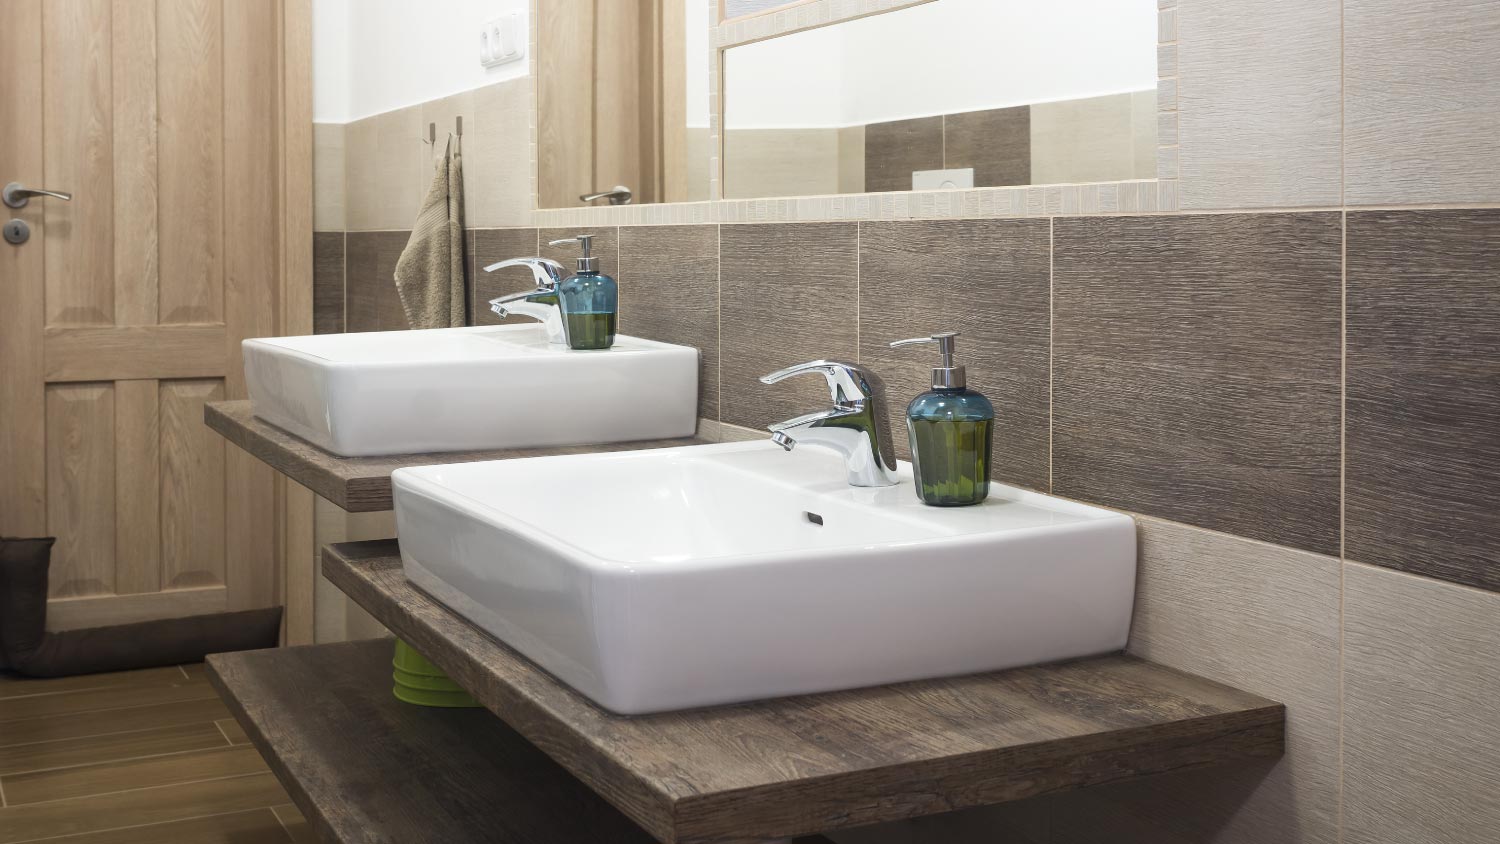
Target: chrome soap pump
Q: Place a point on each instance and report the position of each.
(589, 300)
(950, 428)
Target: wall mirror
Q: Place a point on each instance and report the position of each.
(947, 94)
(937, 95)
(622, 102)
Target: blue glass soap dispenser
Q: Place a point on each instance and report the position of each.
(951, 428)
(589, 300)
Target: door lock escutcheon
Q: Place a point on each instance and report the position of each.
(17, 232)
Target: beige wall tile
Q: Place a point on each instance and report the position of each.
(1088, 140)
(781, 162)
(497, 156)
(384, 171)
(851, 159)
(1256, 616)
(1260, 100)
(1144, 121)
(328, 177)
(699, 151)
(1422, 107)
(1421, 721)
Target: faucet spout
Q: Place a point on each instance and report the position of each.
(857, 426)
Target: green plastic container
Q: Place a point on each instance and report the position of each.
(424, 697)
(419, 682)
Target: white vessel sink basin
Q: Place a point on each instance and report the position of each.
(668, 579)
(468, 389)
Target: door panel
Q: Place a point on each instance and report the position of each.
(81, 488)
(131, 303)
(190, 141)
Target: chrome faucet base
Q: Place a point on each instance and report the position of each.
(857, 426)
(548, 274)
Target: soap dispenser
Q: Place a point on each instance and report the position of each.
(589, 300)
(950, 429)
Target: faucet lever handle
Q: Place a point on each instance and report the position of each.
(846, 381)
(545, 271)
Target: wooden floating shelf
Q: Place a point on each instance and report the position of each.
(363, 484)
(363, 766)
(818, 763)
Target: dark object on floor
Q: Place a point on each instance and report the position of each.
(28, 649)
(23, 595)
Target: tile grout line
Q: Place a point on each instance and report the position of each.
(224, 734)
(184, 673)
(1343, 493)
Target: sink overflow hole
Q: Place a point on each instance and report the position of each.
(814, 518)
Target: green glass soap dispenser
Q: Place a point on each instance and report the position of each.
(589, 300)
(950, 429)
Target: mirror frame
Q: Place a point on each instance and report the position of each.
(1158, 195)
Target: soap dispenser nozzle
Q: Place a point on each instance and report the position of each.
(945, 377)
(587, 263)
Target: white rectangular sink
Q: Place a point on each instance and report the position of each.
(661, 580)
(468, 389)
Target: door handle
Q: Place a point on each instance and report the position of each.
(16, 195)
(621, 195)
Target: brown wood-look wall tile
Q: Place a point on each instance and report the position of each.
(328, 282)
(669, 291)
(1423, 440)
(989, 280)
(788, 294)
(372, 302)
(1196, 368)
(489, 246)
(995, 142)
(893, 150)
(606, 247)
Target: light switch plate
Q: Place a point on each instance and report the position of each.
(503, 40)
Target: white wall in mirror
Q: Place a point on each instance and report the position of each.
(943, 57)
(373, 56)
(1013, 94)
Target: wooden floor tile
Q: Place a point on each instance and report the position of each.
(111, 721)
(296, 825)
(107, 777)
(12, 685)
(52, 706)
(138, 807)
(257, 826)
(233, 732)
(89, 750)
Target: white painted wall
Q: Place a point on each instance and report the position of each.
(371, 56)
(945, 57)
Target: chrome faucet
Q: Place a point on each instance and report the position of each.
(547, 274)
(857, 426)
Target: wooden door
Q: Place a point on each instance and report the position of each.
(123, 314)
(611, 99)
